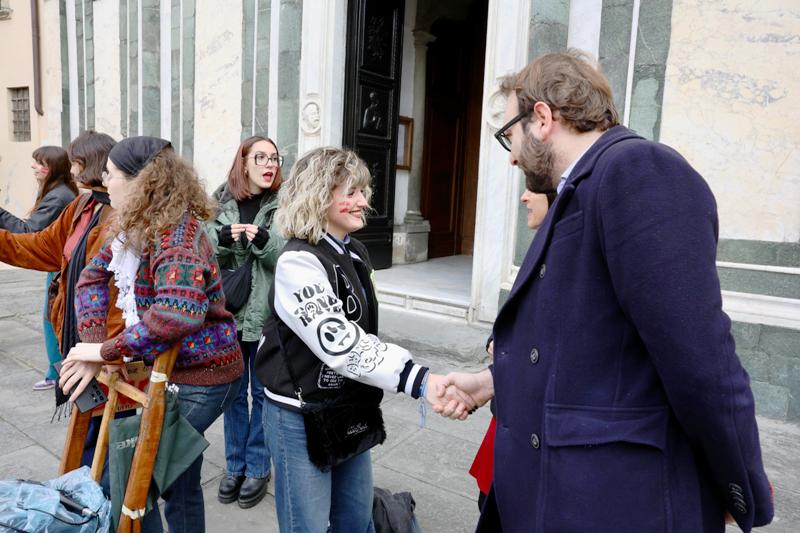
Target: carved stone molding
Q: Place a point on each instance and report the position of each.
(497, 108)
(311, 115)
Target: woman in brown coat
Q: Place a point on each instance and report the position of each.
(71, 240)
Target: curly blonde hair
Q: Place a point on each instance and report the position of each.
(305, 197)
(166, 189)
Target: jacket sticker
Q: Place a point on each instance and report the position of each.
(352, 306)
(328, 379)
(314, 302)
(367, 356)
(337, 336)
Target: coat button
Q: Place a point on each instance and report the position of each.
(535, 441)
(534, 356)
(542, 270)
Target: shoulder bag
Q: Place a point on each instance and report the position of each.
(337, 429)
(236, 285)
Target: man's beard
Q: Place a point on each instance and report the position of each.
(536, 159)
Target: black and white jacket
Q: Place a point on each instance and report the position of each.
(325, 309)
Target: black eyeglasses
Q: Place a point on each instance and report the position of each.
(501, 136)
(262, 159)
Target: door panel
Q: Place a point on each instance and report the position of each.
(372, 85)
(453, 104)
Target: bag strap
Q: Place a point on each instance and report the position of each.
(297, 389)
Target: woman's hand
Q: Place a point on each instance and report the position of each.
(237, 230)
(258, 235)
(76, 376)
(447, 400)
(472, 389)
(121, 367)
(85, 351)
(82, 364)
(250, 231)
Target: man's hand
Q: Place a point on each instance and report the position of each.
(447, 401)
(479, 387)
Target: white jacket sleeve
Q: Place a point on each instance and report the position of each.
(306, 302)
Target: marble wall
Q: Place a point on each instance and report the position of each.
(731, 108)
(218, 89)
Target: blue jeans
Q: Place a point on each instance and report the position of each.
(308, 499)
(246, 451)
(50, 340)
(184, 508)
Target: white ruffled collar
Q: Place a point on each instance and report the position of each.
(125, 264)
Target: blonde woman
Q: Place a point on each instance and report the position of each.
(320, 357)
(169, 285)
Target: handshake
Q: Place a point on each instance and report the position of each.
(458, 394)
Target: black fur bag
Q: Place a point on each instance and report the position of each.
(341, 429)
(336, 429)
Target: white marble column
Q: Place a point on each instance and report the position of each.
(421, 41)
(106, 70)
(411, 237)
(498, 194)
(322, 62)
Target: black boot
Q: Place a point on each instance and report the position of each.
(253, 491)
(229, 487)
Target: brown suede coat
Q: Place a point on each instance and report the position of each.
(44, 251)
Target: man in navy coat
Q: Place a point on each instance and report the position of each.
(621, 403)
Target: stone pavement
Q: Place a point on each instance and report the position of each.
(430, 462)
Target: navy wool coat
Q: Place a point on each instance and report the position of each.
(621, 403)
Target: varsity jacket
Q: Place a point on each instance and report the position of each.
(325, 311)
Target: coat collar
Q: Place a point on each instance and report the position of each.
(583, 170)
(228, 211)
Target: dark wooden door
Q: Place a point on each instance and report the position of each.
(372, 92)
(453, 100)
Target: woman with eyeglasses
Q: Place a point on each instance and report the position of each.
(244, 239)
(56, 190)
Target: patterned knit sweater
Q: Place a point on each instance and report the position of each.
(178, 296)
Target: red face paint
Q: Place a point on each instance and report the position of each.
(344, 207)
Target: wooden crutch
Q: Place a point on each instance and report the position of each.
(153, 405)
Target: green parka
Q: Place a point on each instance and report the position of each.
(251, 317)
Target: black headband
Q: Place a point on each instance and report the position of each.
(131, 155)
